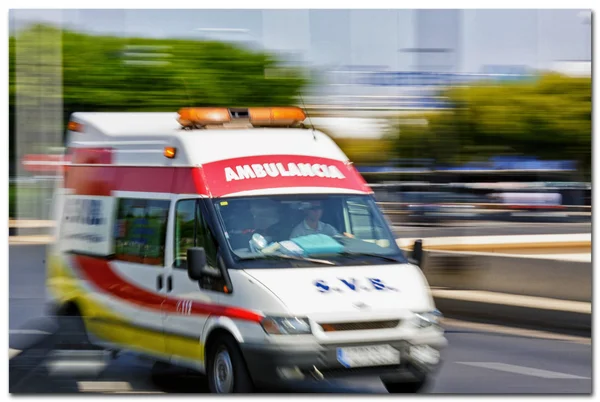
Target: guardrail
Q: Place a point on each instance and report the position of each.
(405, 212)
(496, 206)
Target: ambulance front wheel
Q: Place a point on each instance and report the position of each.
(226, 369)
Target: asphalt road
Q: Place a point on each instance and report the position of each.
(476, 361)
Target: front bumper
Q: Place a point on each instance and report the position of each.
(274, 364)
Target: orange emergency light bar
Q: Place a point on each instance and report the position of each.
(259, 116)
(276, 116)
(203, 116)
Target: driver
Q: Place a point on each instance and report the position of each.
(311, 224)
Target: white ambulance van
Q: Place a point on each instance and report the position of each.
(236, 242)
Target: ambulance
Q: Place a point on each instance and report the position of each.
(237, 242)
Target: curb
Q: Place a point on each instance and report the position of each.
(30, 240)
(30, 223)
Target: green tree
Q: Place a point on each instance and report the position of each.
(549, 118)
(102, 73)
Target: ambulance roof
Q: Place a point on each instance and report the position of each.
(140, 138)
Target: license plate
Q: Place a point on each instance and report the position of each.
(364, 356)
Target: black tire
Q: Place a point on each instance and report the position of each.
(241, 383)
(412, 387)
(72, 334)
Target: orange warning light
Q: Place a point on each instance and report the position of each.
(170, 152)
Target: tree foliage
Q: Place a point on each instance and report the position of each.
(549, 118)
(365, 151)
(102, 73)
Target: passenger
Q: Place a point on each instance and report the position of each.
(311, 224)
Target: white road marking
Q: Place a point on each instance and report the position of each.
(509, 368)
(104, 386)
(58, 367)
(71, 362)
(12, 353)
(27, 332)
(112, 387)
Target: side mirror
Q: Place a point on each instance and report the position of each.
(196, 262)
(417, 252)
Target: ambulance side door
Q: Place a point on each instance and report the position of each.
(142, 221)
(189, 303)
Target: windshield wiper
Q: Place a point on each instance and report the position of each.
(357, 254)
(286, 257)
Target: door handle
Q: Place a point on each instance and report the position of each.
(169, 283)
(159, 282)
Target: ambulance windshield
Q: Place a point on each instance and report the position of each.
(340, 228)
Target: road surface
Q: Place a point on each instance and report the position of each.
(476, 361)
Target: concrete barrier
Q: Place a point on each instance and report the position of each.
(453, 263)
(558, 321)
(539, 294)
(530, 291)
(554, 279)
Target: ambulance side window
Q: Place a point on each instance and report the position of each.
(140, 230)
(191, 230)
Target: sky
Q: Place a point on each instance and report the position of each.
(401, 40)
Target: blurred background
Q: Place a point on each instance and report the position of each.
(436, 107)
(473, 128)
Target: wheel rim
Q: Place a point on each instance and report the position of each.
(223, 372)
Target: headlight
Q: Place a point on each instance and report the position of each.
(427, 319)
(286, 325)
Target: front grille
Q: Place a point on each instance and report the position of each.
(361, 371)
(359, 326)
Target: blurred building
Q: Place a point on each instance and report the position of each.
(457, 41)
(362, 60)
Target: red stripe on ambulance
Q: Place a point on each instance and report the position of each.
(217, 179)
(101, 274)
(103, 180)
